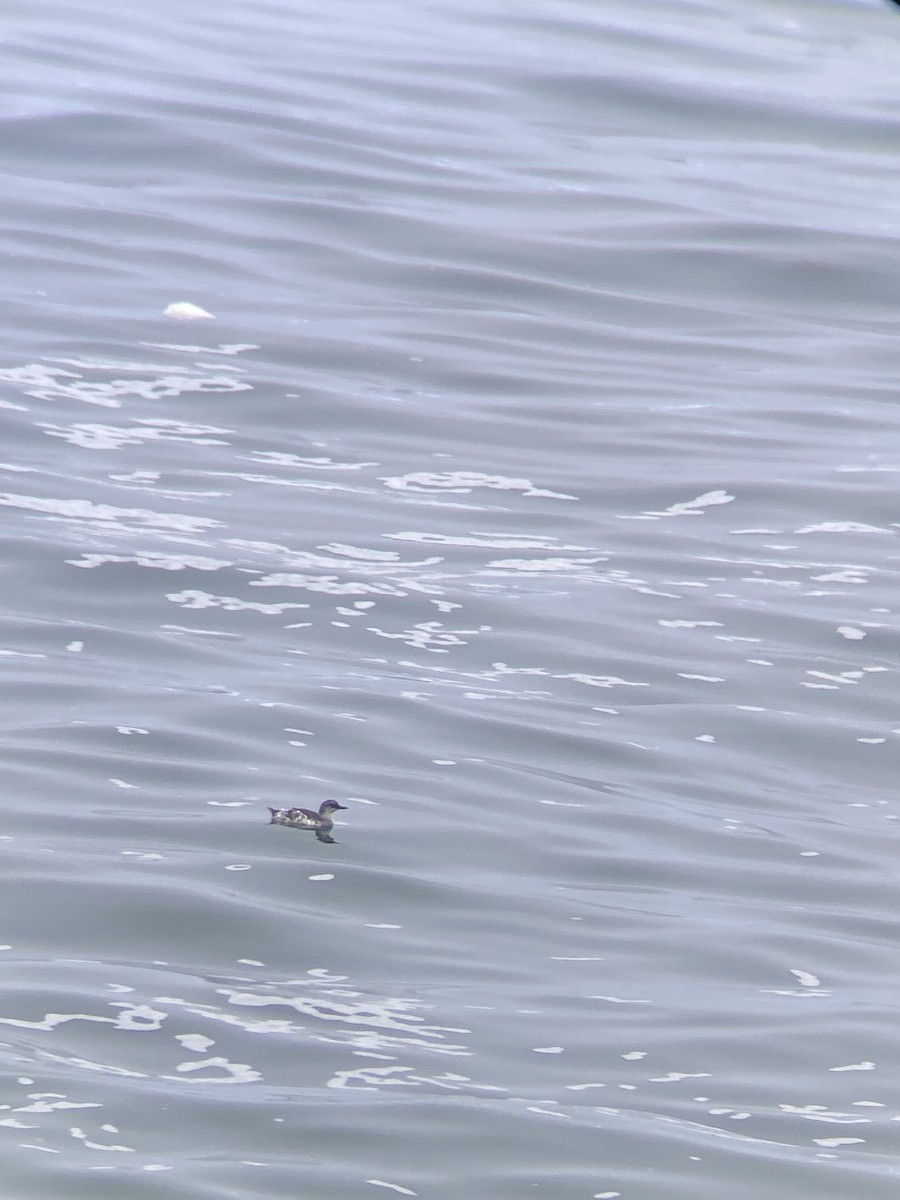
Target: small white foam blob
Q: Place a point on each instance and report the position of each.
(806, 978)
(183, 310)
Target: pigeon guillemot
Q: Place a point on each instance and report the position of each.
(304, 818)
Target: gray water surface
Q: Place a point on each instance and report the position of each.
(533, 492)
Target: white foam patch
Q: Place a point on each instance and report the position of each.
(81, 1136)
(195, 1041)
(842, 527)
(233, 1072)
(465, 482)
(137, 1016)
(818, 1112)
(542, 565)
(46, 1106)
(183, 310)
(196, 598)
(806, 978)
(619, 1000)
(677, 1075)
(689, 508)
(107, 516)
(689, 624)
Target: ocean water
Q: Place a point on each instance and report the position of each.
(532, 491)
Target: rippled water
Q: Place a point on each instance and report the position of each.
(531, 494)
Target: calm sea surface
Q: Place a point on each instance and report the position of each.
(534, 492)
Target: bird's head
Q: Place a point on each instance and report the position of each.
(332, 806)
